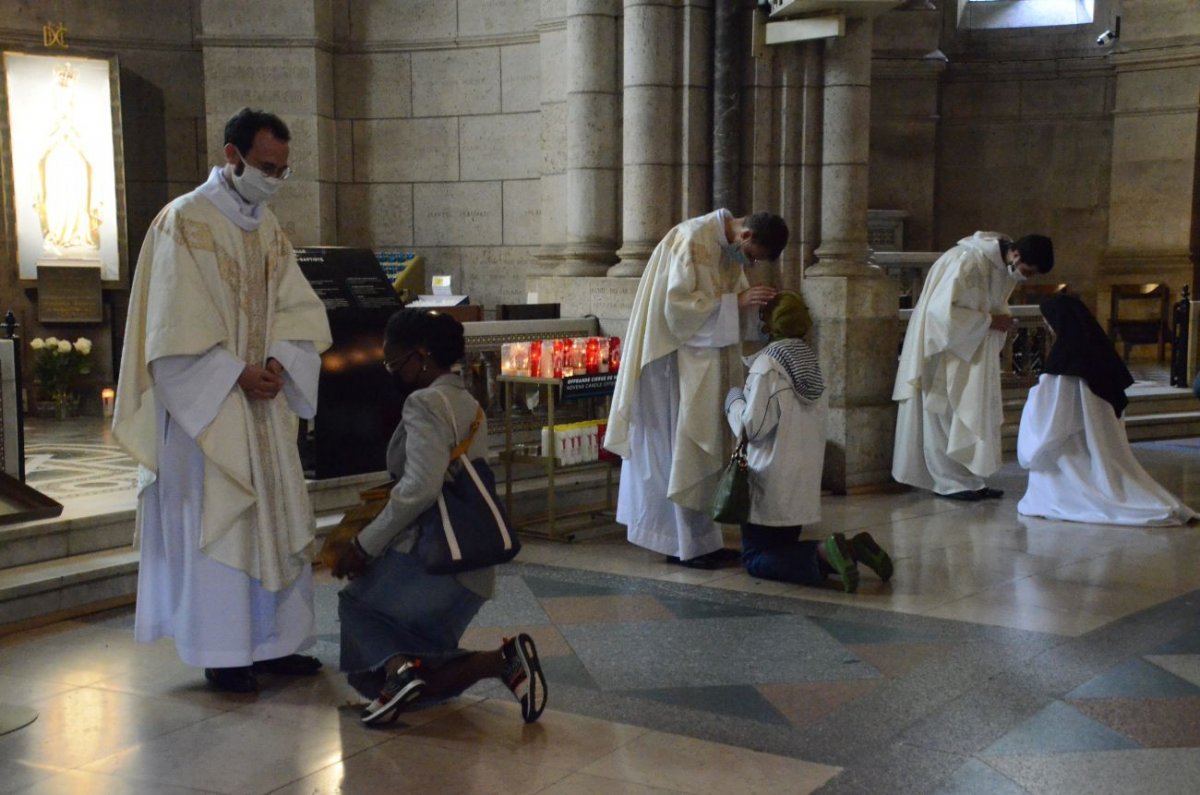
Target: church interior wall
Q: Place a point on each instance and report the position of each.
(453, 140)
(1012, 132)
(442, 128)
(162, 110)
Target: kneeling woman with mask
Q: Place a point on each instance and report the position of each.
(781, 414)
(400, 625)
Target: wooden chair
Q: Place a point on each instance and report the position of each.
(1146, 327)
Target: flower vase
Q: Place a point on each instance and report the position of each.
(64, 405)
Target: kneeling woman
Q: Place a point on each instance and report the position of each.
(401, 625)
(1072, 439)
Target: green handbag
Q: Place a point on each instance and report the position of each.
(731, 503)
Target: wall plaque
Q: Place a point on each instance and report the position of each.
(69, 294)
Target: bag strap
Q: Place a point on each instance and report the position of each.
(739, 450)
(460, 449)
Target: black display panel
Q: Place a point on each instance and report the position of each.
(357, 406)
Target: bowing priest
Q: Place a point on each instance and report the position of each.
(221, 354)
(948, 383)
(692, 308)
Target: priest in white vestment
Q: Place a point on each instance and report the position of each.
(1072, 438)
(221, 354)
(682, 344)
(948, 382)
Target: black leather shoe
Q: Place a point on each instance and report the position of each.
(990, 494)
(232, 680)
(291, 665)
(964, 496)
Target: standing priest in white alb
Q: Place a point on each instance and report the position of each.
(681, 348)
(222, 352)
(948, 384)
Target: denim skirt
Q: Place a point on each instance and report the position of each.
(399, 608)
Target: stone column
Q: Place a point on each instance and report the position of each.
(696, 111)
(846, 146)
(854, 306)
(280, 63)
(593, 163)
(552, 51)
(650, 131)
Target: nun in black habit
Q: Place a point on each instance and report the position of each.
(1072, 437)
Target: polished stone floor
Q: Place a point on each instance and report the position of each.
(1007, 655)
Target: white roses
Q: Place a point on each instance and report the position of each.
(53, 344)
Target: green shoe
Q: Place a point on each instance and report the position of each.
(873, 555)
(842, 562)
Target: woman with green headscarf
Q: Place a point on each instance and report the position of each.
(782, 412)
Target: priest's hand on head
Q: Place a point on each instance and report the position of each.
(758, 295)
(259, 383)
(1002, 322)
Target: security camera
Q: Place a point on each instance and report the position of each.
(1105, 38)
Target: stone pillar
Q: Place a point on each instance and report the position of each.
(650, 131)
(696, 113)
(728, 45)
(854, 306)
(280, 63)
(552, 52)
(846, 146)
(593, 163)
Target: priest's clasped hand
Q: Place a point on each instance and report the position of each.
(261, 383)
(758, 295)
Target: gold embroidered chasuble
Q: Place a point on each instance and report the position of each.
(202, 281)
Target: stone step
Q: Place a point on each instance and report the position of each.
(53, 590)
(39, 591)
(1139, 428)
(80, 530)
(66, 536)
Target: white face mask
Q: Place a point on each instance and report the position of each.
(253, 185)
(1015, 273)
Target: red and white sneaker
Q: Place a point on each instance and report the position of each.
(399, 690)
(523, 675)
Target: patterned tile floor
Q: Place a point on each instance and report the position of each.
(76, 458)
(1007, 655)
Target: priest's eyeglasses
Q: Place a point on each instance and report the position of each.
(269, 169)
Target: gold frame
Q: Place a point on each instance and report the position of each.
(118, 148)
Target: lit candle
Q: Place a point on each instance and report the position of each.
(557, 347)
(520, 358)
(108, 399)
(535, 358)
(592, 355)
